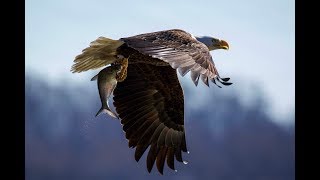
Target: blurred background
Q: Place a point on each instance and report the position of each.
(243, 131)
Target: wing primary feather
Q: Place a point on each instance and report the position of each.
(224, 83)
(141, 113)
(214, 81)
(178, 154)
(156, 133)
(175, 138)
(135, 137)
(170, 158)
(161, 158)
(153, 152)
(139, 125)
(205, 80)
(146, 137)
(195, 77)
(162, 137)
(183, 143)
(184, 70)
(225, 79)
(168, 138)
(139, 151)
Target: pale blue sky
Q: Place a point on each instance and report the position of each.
(260, 34)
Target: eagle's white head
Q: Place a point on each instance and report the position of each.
(213, 43)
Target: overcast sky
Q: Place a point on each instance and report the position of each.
(260, 35)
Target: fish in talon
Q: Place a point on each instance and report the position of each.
(107, 82)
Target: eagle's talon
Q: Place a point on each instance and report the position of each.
(122, 74)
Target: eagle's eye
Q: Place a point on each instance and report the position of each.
(214, 40)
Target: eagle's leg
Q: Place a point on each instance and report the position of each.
(121, 76)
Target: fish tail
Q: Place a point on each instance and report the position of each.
(106, 110)
(94, 77)
(101, 52)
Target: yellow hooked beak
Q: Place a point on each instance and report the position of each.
(223, 45)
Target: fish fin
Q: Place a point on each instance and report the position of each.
(106, 111)
(94, 77)
(112, 114)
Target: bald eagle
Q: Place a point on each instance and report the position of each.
(148, 97)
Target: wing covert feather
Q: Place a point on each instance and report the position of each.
(178, 48)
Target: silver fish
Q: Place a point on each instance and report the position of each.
(107, 82)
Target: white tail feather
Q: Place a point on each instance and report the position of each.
(101, 52)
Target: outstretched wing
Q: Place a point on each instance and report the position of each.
(151, 107)
(180, 49)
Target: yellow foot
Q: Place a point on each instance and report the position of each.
(121, 76)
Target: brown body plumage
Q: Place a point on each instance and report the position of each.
(149, 98)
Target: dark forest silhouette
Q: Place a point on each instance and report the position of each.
(226, 141)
